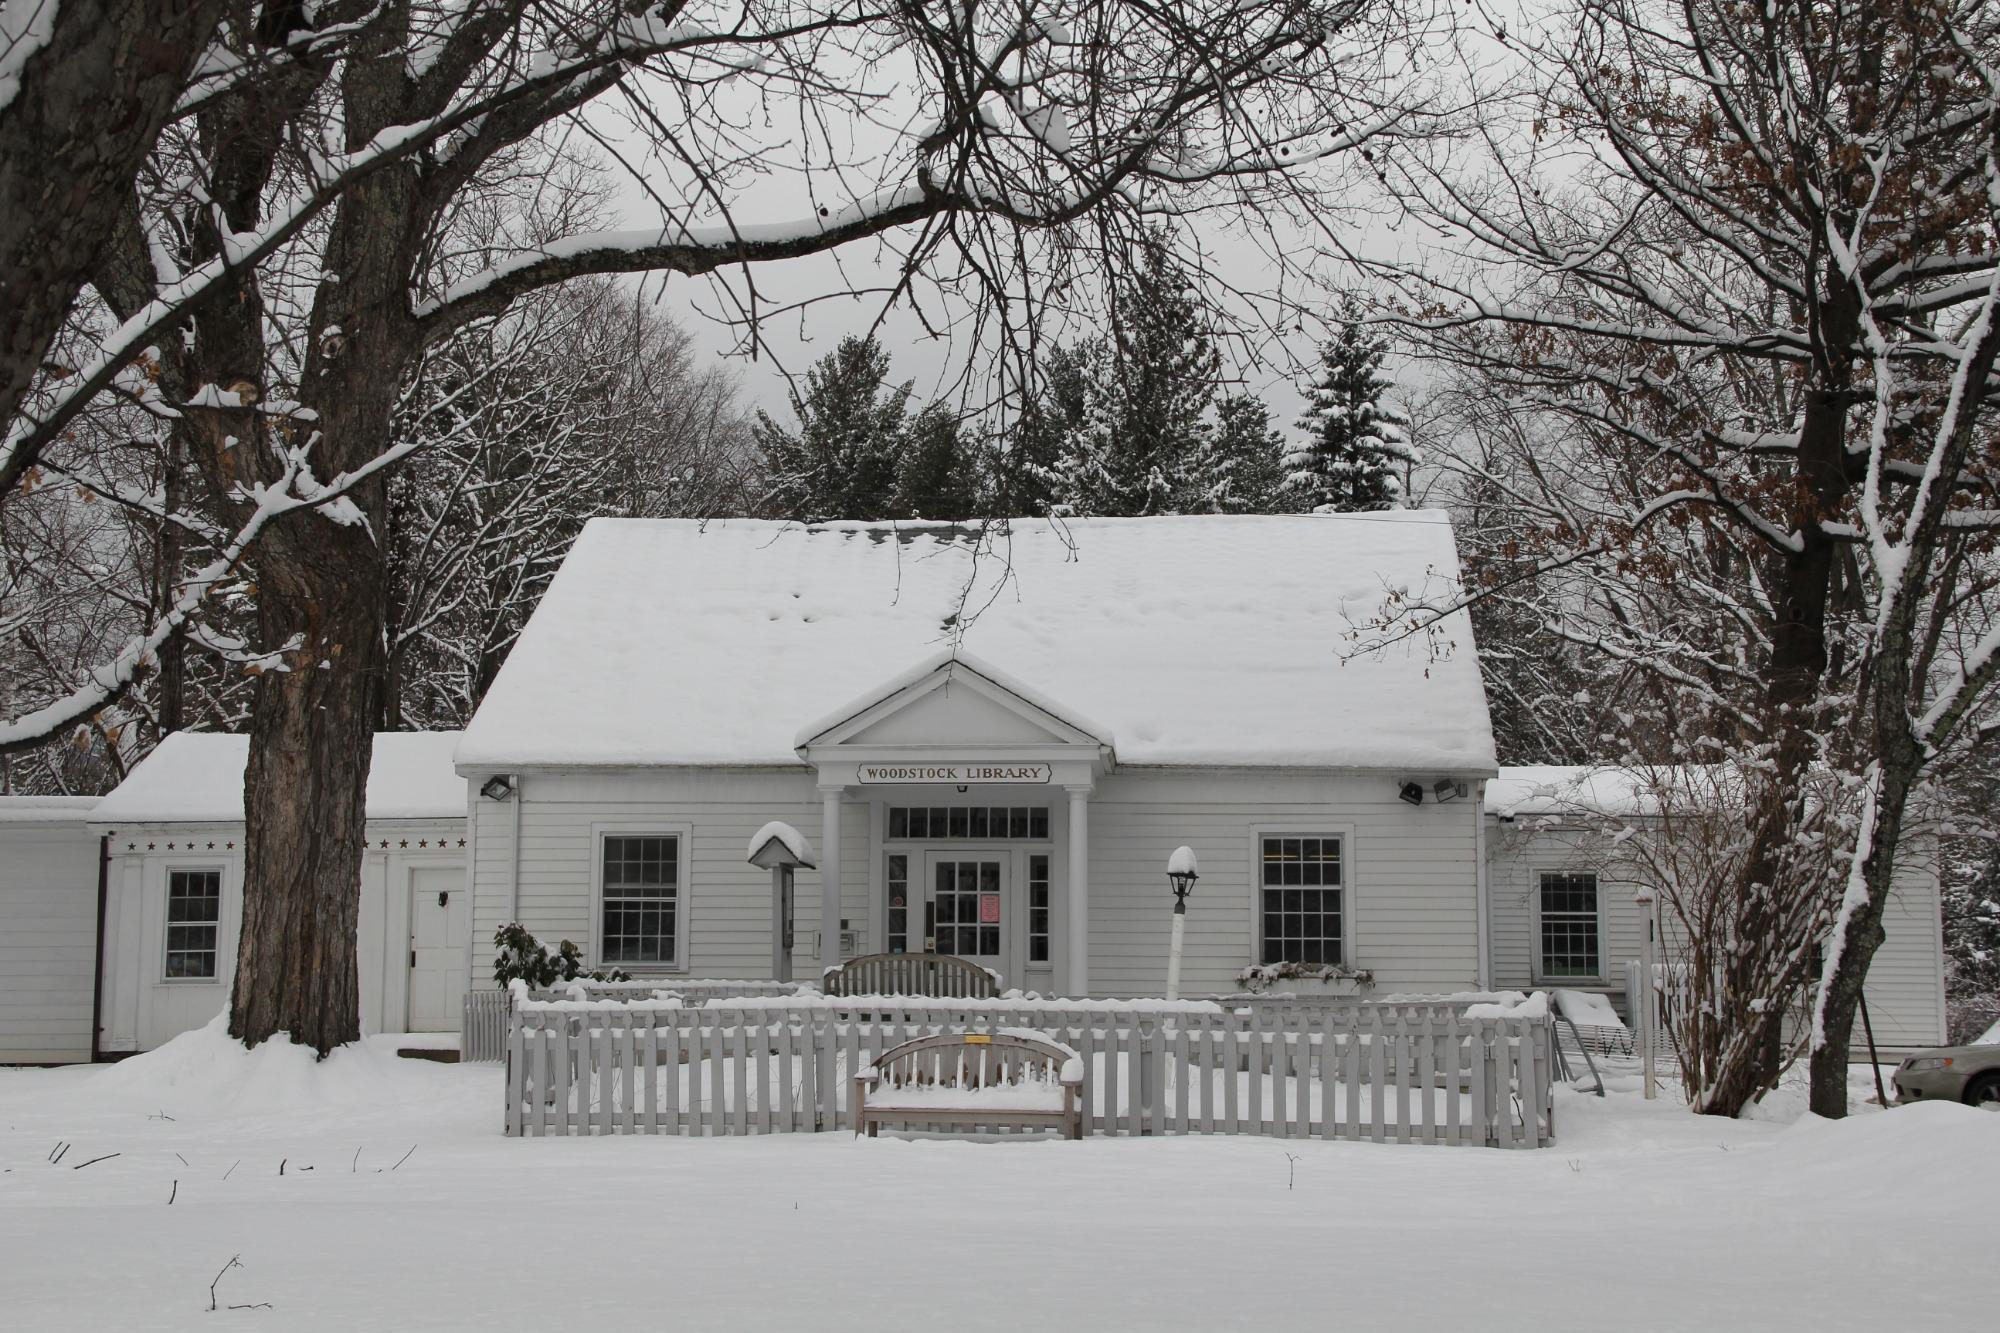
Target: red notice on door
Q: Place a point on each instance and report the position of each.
(989, 909)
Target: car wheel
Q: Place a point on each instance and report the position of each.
(1984, 1092)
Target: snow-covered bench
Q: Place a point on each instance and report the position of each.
(972, 1081)
(912, 974)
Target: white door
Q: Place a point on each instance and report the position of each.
(440, 921)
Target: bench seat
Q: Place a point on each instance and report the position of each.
(972, 1082)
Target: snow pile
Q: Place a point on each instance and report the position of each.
(206, 1073)
(1991, 1037)
(1588, 1009)
(1511, 1004)
(1216, 639)
(196, 777)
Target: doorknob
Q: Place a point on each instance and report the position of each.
(444, 898)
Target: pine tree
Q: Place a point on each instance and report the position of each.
(1028, 474)
(1245, 467)
(841, 463)
(1357, 443)
(942, 474)
(1145, 434)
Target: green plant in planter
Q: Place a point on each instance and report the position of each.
(523, 957)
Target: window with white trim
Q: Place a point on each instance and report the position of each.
(640, 907)
(968, 821)
(1302, 912)
(1038, 908)
(1569, 925)
(899, 902)
(194, 923)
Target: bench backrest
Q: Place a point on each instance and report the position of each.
(912, 974)
(970, 1060)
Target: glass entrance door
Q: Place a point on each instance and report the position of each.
(965, 906)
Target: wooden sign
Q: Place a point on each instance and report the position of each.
(958, 775)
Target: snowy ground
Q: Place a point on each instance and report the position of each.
(1643, 1217)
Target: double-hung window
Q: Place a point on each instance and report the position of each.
(1569, 931)
(640, 900)
(194, 923)
(1302, 913)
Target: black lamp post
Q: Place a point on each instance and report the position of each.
(1182, 872)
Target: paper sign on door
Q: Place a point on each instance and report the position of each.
(989, 909)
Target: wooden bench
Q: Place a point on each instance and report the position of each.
(912, 974)
(971, 1081)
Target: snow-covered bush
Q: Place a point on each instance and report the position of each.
(523, 957)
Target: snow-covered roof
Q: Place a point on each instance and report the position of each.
(196, 777)
(45, 809)
(1603, 789)
(1200, 640)
(1552, 789)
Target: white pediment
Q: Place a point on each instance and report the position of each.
(951, 704)
(956, 716)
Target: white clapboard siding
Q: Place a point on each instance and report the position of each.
(725, 905)
(1409, 874)
(48, 931)
(1905, 986)
(1417, 1073)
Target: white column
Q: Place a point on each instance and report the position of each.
(1079, 891)
(829, 878)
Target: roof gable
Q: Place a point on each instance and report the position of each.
(1211, 640)
(947, 700)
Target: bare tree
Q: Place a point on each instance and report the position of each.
(1747, 254)
(320, 206)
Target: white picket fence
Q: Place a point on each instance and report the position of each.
(1415, 1073)
(488, 1013)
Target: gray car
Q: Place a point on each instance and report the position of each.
(1969, 1074)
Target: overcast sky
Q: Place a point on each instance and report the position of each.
(791, 342)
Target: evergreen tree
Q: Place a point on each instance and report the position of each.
(1028, 473)
(1145, 434)
(1246, 460)
(841, 462)
(1357, 443)
(942, 473)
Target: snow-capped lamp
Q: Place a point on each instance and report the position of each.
(1182, 872)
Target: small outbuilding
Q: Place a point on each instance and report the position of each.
(173, 834)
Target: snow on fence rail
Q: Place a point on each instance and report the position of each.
(1405, 1073)
(487, 1013)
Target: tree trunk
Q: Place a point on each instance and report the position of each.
(322, 585)
(89, 106)
(306, 785)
